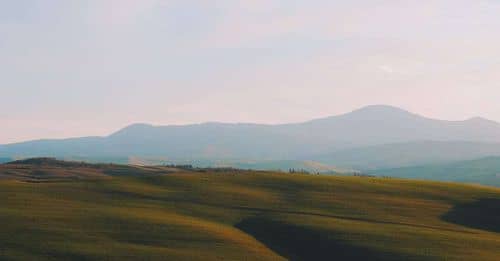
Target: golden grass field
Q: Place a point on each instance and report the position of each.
(112, 212)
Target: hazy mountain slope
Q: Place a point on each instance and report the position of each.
(409, 154)
(375, 125)
(210, 140)
(370, 126)
(75, 147)
(484, 171)
(4, 160)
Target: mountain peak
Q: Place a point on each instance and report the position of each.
(381, 109)
(478, 119)
(481, 120)
(380, 112)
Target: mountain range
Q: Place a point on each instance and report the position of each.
(369, 138)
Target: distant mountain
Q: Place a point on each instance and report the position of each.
(376, 125)
(333, 136)
(484, 171)
(5, 160)
(409, 154)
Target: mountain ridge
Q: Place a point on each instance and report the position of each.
(374, 125)
(370, 108)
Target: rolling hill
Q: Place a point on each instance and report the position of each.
(484, 171)
(409, 154)
(273, 165)
(203, 214)
(336, 140)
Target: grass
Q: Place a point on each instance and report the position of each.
(237, 215)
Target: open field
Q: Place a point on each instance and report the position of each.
(116, 212)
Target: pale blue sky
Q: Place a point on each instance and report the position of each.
(89, 67)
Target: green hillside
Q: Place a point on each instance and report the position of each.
(484, 171)
(239, 215)
(272, 165)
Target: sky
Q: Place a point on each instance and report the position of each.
(73, 68)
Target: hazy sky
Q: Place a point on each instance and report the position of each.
(89, 67)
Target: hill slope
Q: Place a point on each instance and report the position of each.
(53, 170)
(409, 154)
(484, 171)
(251, 216)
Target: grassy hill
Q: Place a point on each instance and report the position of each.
(484, 171)
(202, 214)
(273, 165)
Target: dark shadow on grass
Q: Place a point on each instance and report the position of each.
(301, 243)
(482, 214)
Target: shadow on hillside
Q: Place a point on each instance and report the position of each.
(482, 214)
(301, 243)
